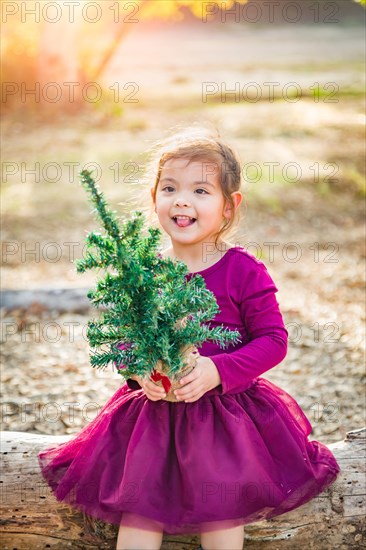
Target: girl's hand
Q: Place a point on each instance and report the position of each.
(202, 379)
(152, 390)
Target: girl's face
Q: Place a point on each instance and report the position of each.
(189, 202)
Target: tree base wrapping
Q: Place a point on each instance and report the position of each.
(189, 354)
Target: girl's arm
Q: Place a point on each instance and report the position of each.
(265, 329)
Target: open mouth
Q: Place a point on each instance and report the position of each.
(183, 221)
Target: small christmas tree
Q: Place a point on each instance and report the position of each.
(153, 316)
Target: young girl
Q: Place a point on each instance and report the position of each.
(234, 449)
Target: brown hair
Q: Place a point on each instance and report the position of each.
(200, 145)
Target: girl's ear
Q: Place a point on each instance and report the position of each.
(237, 198)
(152, 196)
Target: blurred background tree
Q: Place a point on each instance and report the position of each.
(75, 43)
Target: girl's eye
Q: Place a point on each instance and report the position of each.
(168, 188)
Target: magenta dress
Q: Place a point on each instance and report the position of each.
(237, 455)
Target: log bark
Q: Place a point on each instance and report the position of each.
(32, 518)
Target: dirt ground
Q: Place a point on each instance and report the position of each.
(304, 220)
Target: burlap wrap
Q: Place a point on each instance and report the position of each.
(190, 355)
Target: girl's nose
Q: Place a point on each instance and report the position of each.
(181, 201)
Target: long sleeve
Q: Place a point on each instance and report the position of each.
(267, 337)
(133, 384)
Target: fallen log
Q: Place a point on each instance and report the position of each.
(54, 299)
(32, 518)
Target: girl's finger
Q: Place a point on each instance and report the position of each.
(188, 393)
(192, 399)
(152, 397)
(190, 377)
(154, 391)
(153, 394)
(155, 388)
(152, 384)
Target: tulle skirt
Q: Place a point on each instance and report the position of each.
(187, 468)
